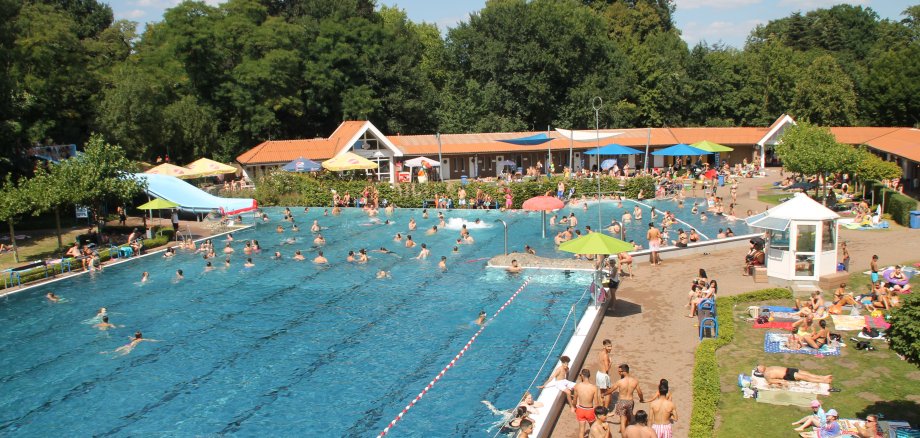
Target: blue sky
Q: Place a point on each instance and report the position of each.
(729, 21)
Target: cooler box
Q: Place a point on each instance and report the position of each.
(915, 219)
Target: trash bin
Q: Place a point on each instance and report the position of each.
(463, 180)
(721, 180)
(915, 219)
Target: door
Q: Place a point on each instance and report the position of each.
(474, 169)
(499, 167)
(576, 164)
(445, 168)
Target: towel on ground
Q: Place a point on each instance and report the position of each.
(877, 322)
(880, 337)
(782, 325)
(761, 385)
(879, 226)
(785, 398)
(775, 343)
(785, 316)
(848, 322)
(778, 309)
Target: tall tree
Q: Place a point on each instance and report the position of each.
(824, 94)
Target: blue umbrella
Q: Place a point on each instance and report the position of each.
(613, 149)
(528, 141)
(302, 164)
(607, 164)
(680, 150)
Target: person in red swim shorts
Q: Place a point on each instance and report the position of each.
(585, 396)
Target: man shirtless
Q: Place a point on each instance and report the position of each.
(584, 398)
(105, 324)
(663, 413)
(640, 429)
(625, 403)
(138, 338)
(600, 428)
(603, 374)
(654, 243)
(776, 375)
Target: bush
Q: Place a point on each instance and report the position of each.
(706, 386)
(285, 188)
(899, 206)
(904, 333)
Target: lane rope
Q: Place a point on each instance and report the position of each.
(451, 364)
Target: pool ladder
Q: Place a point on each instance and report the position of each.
(505, 224)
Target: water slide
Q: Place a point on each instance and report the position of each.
(192, 199)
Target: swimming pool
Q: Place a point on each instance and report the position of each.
(286, 347)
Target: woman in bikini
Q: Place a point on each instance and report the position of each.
(820, 337)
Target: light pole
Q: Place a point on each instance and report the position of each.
(597, 103)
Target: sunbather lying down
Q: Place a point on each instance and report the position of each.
(776, 375)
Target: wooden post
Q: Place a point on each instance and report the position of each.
(13, 242)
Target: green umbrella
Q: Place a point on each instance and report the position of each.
(709, 146)
(596, 243)
(158, 204)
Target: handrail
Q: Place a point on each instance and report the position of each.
(506, 233)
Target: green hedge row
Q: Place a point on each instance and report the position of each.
(162, 238)
(706, 387)
(285, 188)
(896, 204)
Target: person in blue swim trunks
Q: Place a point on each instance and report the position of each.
(873, 266)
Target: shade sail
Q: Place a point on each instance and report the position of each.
(421, 161)
(205, 167)
(586, 135)
(542, 203)
(301, 164)
(528, 141)
(349, 161)
(157, 204)
(613, 149)
(709, 146)
(173, 170)
(596, 243)
(680, 150)
(764, 221)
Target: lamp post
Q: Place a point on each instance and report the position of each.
(597, 103)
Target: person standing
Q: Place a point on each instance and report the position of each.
(584, 398)
(626, 386)
(600, 428)
(603, 374)
(846, 256)
(654, 243)
(175, 220)
(663, 413)
(640, 429)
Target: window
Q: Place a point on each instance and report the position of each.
(805, 240)
(828, 236)
(779, 239)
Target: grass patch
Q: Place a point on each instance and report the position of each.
(40, 245)
(769, 197)
(871, 382)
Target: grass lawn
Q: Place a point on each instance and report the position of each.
(40, 245)
(871, 382)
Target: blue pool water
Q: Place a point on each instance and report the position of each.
(286, 347)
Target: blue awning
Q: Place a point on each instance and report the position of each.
(764, 220)
(613, 149)
(680, 150)
(528, 141)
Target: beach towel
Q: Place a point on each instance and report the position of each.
(876, 322)
(761, 385)
(778, 309)
(848, 322)
(880, 337)
(775, 343)
(785, 398)
(784, 316)
(879, 226)
(782, 325)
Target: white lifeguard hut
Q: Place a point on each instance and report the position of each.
(801, 239)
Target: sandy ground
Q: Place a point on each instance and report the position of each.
(649, 327)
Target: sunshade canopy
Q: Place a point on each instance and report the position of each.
(613, 149)
(586, 135)
(157, 204)
(542, 203)
(800, 207)
(709, 146)
(173, 170)
(301, 164)
(349, 161)
(528, 141)
(421, 161)
(680, 150)
(607, 164)
(596, 243)
(205, 167)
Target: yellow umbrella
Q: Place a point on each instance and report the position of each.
(173, 170)
(349, 161)
(205, 167)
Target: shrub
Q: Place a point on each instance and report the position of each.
(899, 206)
(706, 387)
(904, 333)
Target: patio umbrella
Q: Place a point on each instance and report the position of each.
(709, 146)
(157, 204)
(613, 149)
(528, 141)
(710, 174)
(205, 167)
(173, 170)
(543, 204)
(349, 161)
(680, 150)
(301, 164)
(607, 164)
(421, 162)
(596, 243)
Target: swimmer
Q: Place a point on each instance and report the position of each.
(295, 228)
(229, 237)
(381, 274)
(315, 228)
(514, 268)
(409, 242)
(351, 257)
(52, 297)
(227, 263)
(482, 318)
(412, 224)
(383, 250)
(249, 263)
(280, 229)
(277, 255)
(145, 276)
(432, 230)
(362, 255)
(104, 325)
(102, 312)
(423, 254)
(443, 263)
(228, 249)
(169, 253)
(695, 209)
(208, 267)
(702, 216)
(179, 275)
(298, 255)
(326, 212)
(469, 239)
(425, 214)
(137, 339)
(397, 237)
(529, 250)
(289, 241)
(319, 240)
(319, 259)
(456, 250)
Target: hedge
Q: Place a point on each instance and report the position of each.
(706, 387)
(896, 204)
(163, 237)
(285, 188)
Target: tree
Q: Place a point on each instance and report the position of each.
(824, 94)
(812, 150)
(14, 203)
(904, 333)
(870, 167)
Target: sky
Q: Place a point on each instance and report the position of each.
(713, 21)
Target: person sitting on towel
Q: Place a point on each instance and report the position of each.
(841, 298)
(776, 375)
(817, 418)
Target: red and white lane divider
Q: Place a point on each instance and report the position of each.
(451, 364)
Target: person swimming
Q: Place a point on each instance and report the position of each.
(443, 263)
(482, 318)
(320, 259)
(145, 276)
(179, 275)
(208, 267)
(104, 325)
(381, 274)
(249, 263)
(129, 347)
(277, 255)
(52, 297)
